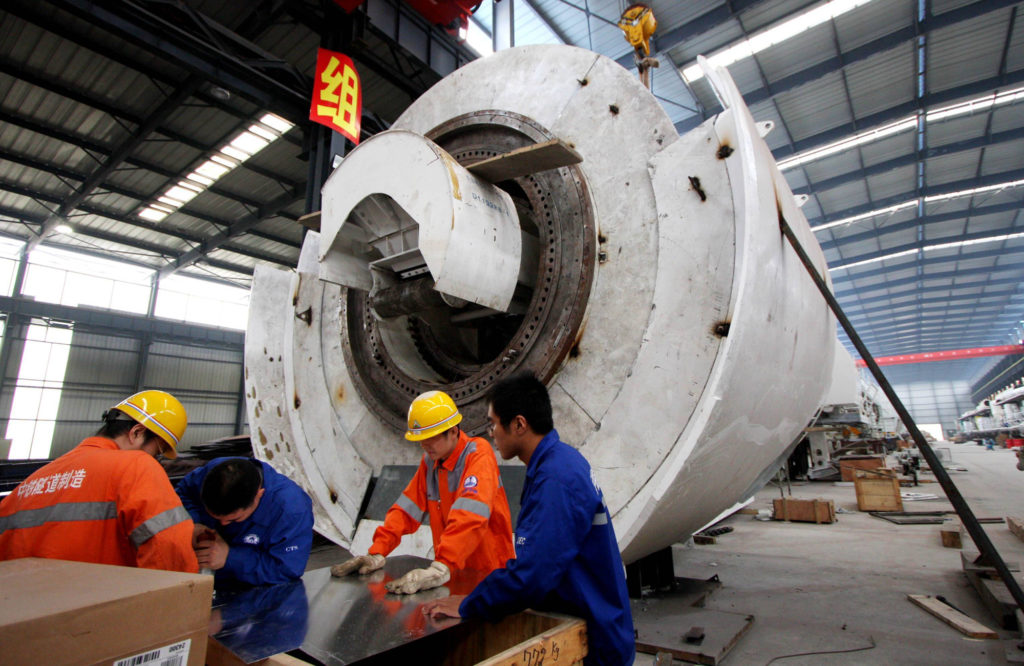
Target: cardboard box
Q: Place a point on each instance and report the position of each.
(58, 612)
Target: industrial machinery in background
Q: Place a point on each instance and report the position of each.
(855, 420)
(537, 211)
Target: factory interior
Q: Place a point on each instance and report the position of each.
(727, 366)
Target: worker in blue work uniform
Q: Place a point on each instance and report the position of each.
(253, 525)
(567, 558)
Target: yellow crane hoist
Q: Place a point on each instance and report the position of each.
(638, 25)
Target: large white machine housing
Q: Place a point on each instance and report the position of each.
(686, 349)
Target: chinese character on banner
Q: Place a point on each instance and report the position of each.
(337, 96)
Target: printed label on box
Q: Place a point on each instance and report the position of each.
(169, 655)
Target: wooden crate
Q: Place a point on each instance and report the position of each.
(878, 491)
(805, 510)
(524, 638)
(849, 465)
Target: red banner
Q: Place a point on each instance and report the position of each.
(337, 94)
(949, 355)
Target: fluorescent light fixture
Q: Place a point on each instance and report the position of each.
(478, 39)
(775, 35)
(229, 156)
(910, 203)
(64, 229)
(983, 103)
(930, 248)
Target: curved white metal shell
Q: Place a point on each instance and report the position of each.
(705, 349)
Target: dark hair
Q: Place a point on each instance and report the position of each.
(117, 423)
(231, 485)
(522, 395)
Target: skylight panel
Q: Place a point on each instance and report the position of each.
(978, 104)
(775, 35)
(932, 248)
(229, 156)
(910, 203)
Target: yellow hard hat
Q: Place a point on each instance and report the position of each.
(430, 414)
(161, 413)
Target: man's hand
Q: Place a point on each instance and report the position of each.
(212, 553)
(447, 607)
(420, 579)
(364, 563)
(198, 532)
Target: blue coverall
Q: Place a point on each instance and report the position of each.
(567, 559)
(273, 544)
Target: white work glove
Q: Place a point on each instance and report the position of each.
(420, 579)
(365, 563)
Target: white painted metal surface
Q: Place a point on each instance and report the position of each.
(411, 205)
(705, 348)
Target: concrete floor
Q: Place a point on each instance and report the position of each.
(827, 588)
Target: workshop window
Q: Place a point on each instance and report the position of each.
(202, 302)
(37, 391)
(75, 279)
(10, 253)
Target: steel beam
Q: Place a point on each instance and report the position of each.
(927, 191)
(91, 147)
(123, 322)
(945, 355)
(912, 158)
(248, 71)
(899, 112)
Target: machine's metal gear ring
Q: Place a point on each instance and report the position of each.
(554, 206)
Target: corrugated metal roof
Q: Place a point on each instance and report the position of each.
(52, 62)
(966, 52)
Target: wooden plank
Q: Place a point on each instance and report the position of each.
(1016, 526)
(311, 221)
(524, 161)
(954, 618)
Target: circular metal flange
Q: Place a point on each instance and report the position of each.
(471, 350)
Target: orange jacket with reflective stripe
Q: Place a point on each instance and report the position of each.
(469, 514)
(97, 503)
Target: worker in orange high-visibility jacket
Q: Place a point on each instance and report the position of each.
(108, 500)
(458, 486)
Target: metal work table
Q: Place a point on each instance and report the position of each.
(334, 621)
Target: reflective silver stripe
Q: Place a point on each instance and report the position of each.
(157, 524)
(473, 506)
(407, 505)
(600, 518)
(460, 467)
(58, 513)
(433, 492)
